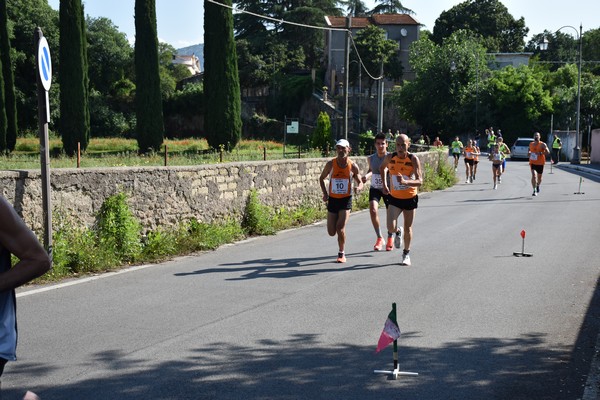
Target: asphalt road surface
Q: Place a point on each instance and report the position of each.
(276, 317)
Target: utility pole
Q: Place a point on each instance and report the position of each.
(347, 73)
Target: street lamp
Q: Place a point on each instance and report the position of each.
(576, 159)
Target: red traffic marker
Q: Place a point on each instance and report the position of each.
(522, 252)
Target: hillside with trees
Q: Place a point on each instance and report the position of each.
(458, 88)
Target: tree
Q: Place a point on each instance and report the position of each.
(302, 46)
(10, 102)
(74, 125)
(111, 55)
(442, 97)
(518, 99)
(223, 120)
(170, 73)
(355, 8)
(148, 103)
(24, 16)
(375, 49)
(321, 136)
(390, 7)
(489, 19)
(3, 148)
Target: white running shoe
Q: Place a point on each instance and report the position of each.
(405, 259)
(534, 193)
(499, 179)
(398, 240)
(495, 186)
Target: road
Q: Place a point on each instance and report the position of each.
(276, 318)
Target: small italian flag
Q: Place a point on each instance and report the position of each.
(390, 332)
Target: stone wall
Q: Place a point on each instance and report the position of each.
(165, 196)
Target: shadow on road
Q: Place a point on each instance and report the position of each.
(299, 367)
(287, 267)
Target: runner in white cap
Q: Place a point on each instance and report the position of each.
(340, 172)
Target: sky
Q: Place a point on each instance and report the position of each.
(180, 22)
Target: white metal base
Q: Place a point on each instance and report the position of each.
(395, 373)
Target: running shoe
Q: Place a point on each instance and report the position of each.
(537, 188)
(405, 260)
(534, 193)
(341, 258)
(390, 244)
(495, 186)
(467, 181)
(499, 179)
(473, 177)
(398, 238)
(379, 244)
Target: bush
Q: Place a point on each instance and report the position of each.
(257, 218)
(159, 244)
(117, 228)
(441, 178)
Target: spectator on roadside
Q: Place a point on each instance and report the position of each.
(16, 239)
(437, 142)
(491, 138)
(556, 146)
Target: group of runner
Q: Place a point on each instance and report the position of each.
(395, 177)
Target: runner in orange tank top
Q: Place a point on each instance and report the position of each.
(405, 179)
(537, 158)
(340, 172)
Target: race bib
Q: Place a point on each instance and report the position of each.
(497, 157)
(376, 181)
(468, 154)
(533, 156)
(339, 186)
(396, 182)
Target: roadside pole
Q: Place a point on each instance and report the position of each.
(44, 80)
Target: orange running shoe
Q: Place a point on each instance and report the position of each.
(341, 258)
(390, 243)
(379, 244)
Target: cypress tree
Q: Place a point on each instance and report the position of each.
(222, 119)
(148, 103)
(10, 101)
(74, 124)
(3, 148)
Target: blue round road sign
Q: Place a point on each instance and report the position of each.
(44, 63)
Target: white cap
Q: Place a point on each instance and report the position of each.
(343, 143)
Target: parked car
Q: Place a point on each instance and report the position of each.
(520, 149)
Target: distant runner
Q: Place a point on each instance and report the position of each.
(537, 158)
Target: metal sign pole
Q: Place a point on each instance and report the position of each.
(44, 78)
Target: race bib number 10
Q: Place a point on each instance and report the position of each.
(397, 184)
(339, 186)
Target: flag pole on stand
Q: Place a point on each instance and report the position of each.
(391, 333)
